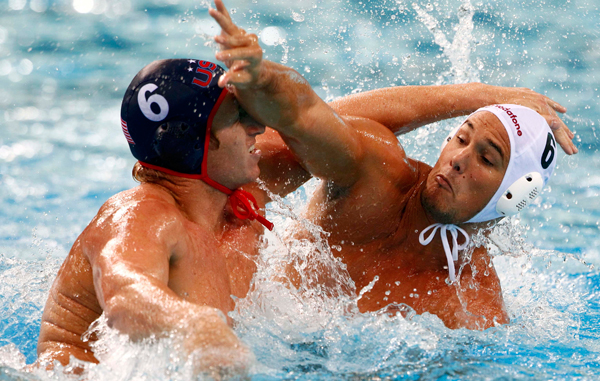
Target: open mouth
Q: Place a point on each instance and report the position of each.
(254, 151)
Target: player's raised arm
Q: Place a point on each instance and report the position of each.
(404, 108)
(327, 146)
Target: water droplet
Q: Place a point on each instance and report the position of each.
(297, 17)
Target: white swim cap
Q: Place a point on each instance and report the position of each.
(532, 160)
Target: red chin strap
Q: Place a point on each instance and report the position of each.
(243, 203)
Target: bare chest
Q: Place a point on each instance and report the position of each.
(212, 271)
(397, 272)
(361, 217)
(405, 276)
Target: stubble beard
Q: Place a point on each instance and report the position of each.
(434, 208)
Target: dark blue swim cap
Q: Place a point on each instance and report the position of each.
(166, 116)
(167, 113)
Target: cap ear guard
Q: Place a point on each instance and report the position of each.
(520, 194)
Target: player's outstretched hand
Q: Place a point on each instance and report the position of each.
(547, 108)
(240, 51)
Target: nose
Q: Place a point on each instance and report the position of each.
(460, 161)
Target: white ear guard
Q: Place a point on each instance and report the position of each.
(520, 194)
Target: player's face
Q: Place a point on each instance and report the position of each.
(235, 161)
(469, 171)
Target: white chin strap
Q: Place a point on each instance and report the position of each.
(451, 252)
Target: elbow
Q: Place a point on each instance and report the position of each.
(116, 311)
(122, 314)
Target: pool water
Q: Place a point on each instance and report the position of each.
(64, 66)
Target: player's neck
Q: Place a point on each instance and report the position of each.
(201, 203)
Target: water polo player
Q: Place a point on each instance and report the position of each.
(384, 209)
(166, 256)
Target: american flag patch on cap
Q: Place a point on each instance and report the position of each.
(126, 132)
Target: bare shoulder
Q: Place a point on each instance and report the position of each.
(139, 215)
(145, 202)
(382, 155)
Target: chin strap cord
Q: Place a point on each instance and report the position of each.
(245, 207)
(242, 202)
(451, 251)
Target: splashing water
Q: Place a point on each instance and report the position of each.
(459, 50)
(298, 327)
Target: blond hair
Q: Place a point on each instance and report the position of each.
(143, 174)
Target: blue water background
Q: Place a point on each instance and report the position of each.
(62, 154)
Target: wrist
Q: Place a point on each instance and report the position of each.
(264, 75)
(483, 95)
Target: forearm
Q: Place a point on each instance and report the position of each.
(324, 144)
(279, 168)
(404, 108)
(144, 310)
(139, 303)
(280, 99)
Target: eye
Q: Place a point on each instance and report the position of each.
(486, 161)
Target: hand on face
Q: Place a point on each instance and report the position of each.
(547, 108)
(240, 51)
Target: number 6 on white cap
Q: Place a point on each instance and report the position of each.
(146, 104)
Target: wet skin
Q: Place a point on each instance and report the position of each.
(374, 200)
(378, 219)
(469, 170)
(165, 256)
(201, 258)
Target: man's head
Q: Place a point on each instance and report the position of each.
(176, 118)
(233, 158)
(492, 165)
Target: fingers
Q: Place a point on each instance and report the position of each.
(236, 74)
(565, 142)
(235, 43)
(557, 106)
(239, 79)
(556, 124)
(250, 54)
(237, 40)
(564, 136)
(240, 51)
(222, 17)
